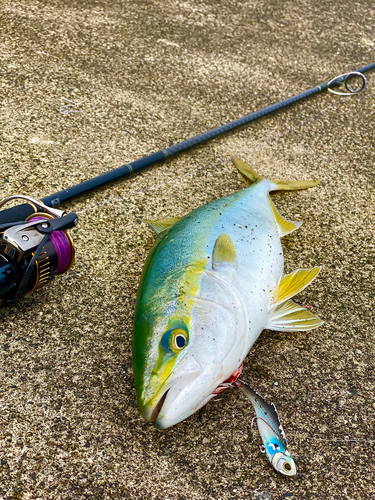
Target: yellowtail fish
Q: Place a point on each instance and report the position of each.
(212, 282)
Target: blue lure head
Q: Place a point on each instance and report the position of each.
(276, 447)
(271, 431)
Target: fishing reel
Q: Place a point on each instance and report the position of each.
(32, 250)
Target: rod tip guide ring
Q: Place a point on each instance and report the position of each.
(345, 79)
(352, 75)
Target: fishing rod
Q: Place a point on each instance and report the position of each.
(34, 242)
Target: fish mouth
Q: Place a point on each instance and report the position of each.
(157, 409)
(169, 409)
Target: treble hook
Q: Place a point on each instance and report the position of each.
(344, 79)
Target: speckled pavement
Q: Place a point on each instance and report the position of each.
(145, 75)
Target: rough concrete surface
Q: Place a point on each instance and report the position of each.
(145, 75)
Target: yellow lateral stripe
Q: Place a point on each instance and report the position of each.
(290, 317)
(285, 226)
(293, 283)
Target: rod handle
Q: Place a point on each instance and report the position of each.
(15, 214)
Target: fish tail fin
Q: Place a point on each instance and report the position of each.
(293, 185)
(253, 176)
(290, 317)
(286, 315)
(246, 170)
(293, 283)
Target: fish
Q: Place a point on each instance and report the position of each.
(275, 445)
(213, 281)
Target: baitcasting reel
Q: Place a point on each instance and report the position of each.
(33, 250)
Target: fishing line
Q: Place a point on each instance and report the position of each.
(21, 240)
(297, 437)
(218, 163)
(333, 440)
(62, 245)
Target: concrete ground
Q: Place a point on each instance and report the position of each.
(145, 75)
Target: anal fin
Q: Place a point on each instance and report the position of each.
(290, 317)
(284, 226)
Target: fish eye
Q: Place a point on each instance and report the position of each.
(179, 340)
(175, 340)
(287, 466)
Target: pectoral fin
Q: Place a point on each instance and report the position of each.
(293, 283)
(224, 251)
(160, 226)
(290, 317)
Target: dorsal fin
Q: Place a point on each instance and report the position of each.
(291, 284)
(290, 317)
(224, 251)
(284, 226)
(160, 226)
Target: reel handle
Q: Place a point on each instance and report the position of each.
(66, 222)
